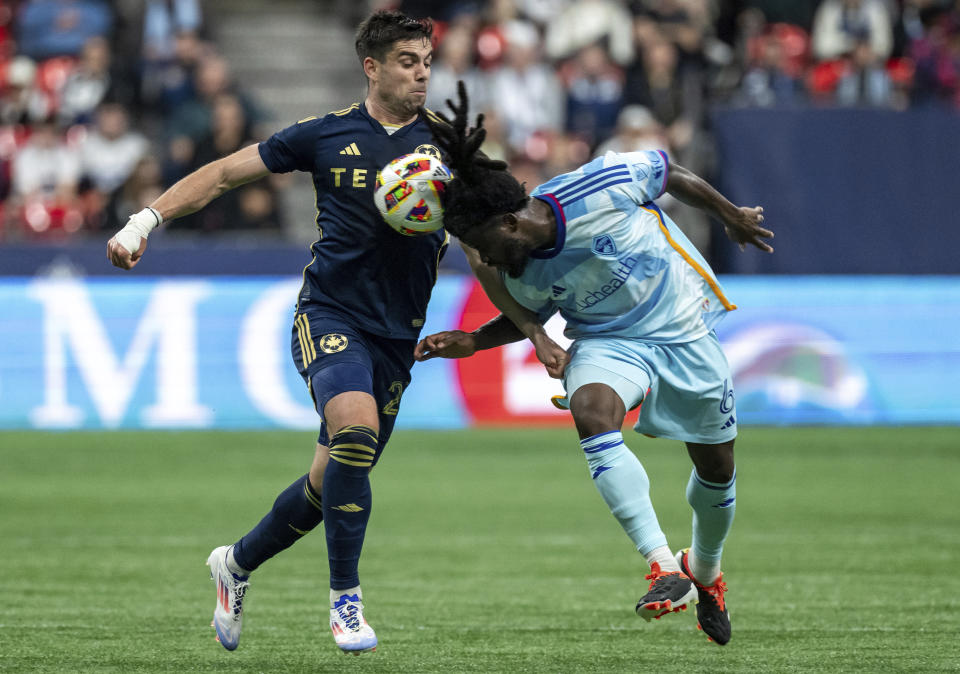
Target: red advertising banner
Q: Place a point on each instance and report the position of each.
(507, 386)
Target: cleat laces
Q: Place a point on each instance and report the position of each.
(656, 574)
(348, 614)
(717, 590)
(239, 591)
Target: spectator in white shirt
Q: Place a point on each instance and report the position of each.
(45, 169)
(525, 91)
(111, 150)
(588, 22)
(839, 24)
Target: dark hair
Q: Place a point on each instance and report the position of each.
(481, 188)
(376, 35)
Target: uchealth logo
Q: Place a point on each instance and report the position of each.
(614, 283)
(507, 385)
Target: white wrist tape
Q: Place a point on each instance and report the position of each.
(138, 227)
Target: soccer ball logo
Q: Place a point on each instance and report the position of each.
(409, 193)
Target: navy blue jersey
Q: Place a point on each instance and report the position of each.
(361, 268)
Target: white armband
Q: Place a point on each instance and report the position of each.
(138, 227)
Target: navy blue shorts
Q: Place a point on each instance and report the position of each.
(333, 356)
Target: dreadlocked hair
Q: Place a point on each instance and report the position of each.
(481, 188)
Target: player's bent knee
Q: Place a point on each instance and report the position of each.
(355, 446)
(351, 408)
(596, 408)
(720, 476)
(589, 425)
(714, 463)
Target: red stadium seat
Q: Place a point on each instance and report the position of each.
(491, 46)
(794, 44)
(901, 71)
(53, 73)
(6, 44)
(439, 32)
(823, 77)
(49, 221)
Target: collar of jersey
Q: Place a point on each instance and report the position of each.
(547, 253)
(378, 127)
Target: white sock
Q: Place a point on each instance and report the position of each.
(336, 594)
(664, 558)
(232, 565)
(704, 573)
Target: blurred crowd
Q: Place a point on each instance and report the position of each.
(561, 80)
(104, 103)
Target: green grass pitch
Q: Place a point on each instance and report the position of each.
(488, 551)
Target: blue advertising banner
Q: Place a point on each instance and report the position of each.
(154, 353)
(845, 350)
(215, 353)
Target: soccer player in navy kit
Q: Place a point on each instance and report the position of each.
(358, 316)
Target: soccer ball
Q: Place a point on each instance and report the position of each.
(408, 193)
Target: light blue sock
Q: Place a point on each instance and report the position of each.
(625, 487)
(713, 506)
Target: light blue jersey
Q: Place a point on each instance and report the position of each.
(620, 267)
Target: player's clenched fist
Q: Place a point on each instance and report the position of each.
(550, 354)
(126, 247)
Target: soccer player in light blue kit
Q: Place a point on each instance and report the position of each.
(640, 304)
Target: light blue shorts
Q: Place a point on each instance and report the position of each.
(690, 389)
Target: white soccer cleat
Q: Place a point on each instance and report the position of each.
(350, 629)
(228, 616)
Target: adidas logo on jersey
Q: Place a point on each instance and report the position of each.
(351, 150)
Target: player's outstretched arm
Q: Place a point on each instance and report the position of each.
(190, 194)
(552, 355)
(741, 224)
(459, 344)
